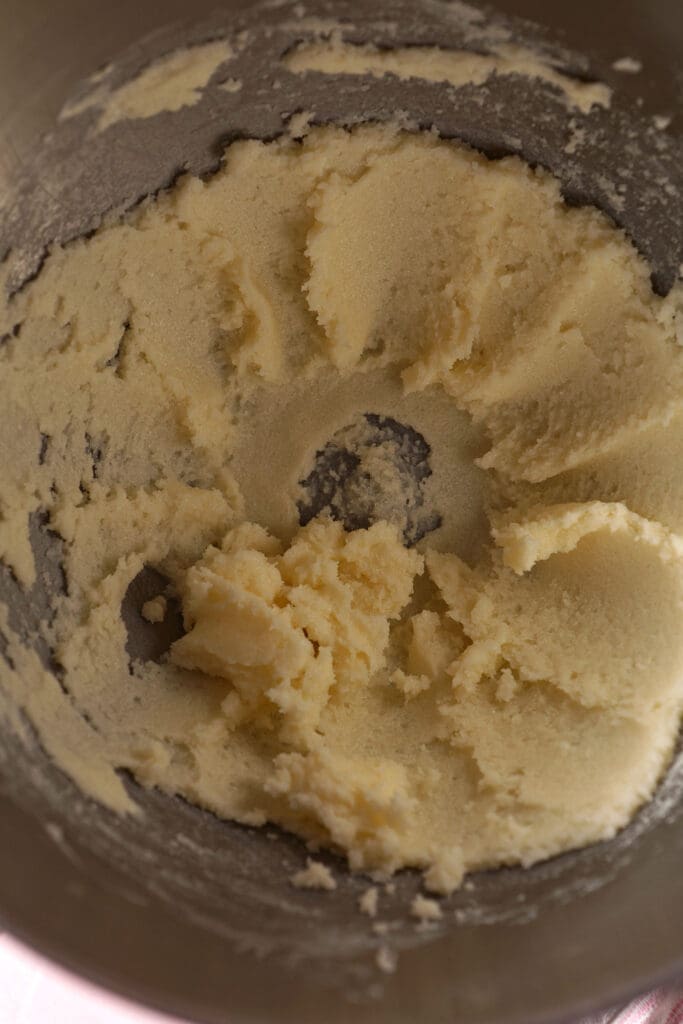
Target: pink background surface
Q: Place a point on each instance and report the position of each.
(35, 991)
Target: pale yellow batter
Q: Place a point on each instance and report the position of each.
(509, 687)
(430, 64)
(170, 83)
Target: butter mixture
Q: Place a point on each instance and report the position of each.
(402, 432)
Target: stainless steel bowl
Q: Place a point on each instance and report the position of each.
(193, 915)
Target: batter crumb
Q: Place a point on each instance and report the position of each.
(299, 124)
(628, 65)
(425, 909)
(386, 959)
(154, 610)
(231, 85)
(369, 900)
(314, 876)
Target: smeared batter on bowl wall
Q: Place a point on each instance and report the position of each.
(458, 67)
(483, 667)
(173, 81)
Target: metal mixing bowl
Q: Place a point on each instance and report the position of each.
(185, 912)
